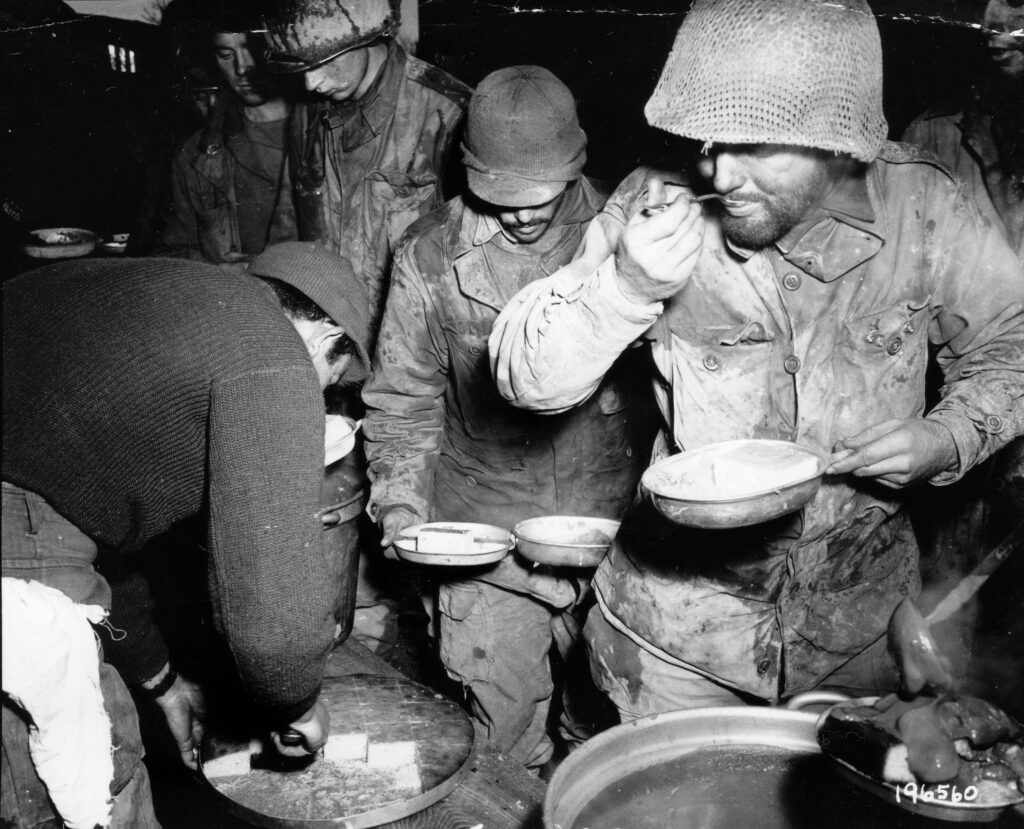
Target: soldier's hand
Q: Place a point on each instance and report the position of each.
(659, 249)
(896, 453)
(392, 523)
(312, 730)
(184, 708)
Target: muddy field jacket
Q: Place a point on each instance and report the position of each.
(363, 171)
(963, 141)
(813, 340)
(441, 440)
(201, 222)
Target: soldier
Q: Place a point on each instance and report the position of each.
(801, 308)
(443, 445)
(229, 194)
(366, 159)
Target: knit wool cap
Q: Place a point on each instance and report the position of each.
(303, 34)
(522, 141)
(800, 72)
(328, 280)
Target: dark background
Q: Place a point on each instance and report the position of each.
(84, 143)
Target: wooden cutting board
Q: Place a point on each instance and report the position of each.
(396, 747)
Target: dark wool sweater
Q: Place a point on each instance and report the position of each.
(140, 392)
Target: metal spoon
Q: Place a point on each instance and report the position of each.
(651, 209)
(909, 638)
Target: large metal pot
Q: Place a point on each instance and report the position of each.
(342, 499)
(722, 768)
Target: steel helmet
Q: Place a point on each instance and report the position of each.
(303, 34)
(800, 72)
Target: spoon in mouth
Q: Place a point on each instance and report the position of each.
(651, 209)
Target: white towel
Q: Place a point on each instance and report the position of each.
(51, 669)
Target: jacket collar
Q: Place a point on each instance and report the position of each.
(842, 232)
(209, 162)
(468, 232)
(581, 204)
(363, 120)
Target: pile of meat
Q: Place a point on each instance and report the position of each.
(957, 740)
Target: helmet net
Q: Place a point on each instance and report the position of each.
(800, 72)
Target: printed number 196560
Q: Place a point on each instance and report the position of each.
(942, 793)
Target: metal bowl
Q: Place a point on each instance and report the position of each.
(60, 243)
(489, 544)
(706, 512)
(720, 768)
(710, 768)
(339, 437)
(565, 540)
(116, 245)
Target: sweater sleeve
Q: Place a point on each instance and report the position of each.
(268, 573)
(132, 642)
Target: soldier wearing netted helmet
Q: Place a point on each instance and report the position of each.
(800, 305)
(366, 158)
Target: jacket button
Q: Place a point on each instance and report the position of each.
(994, 423)
(474, 350)
(791, 364)
(894, 345)
(712, 362)
(338, 209)
(791, 281)
(763, 666)
(470, 480)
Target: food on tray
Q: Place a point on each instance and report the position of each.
(62, 236)
(958, 740)
(392, 755)
(354, 775)
(736, 469)
(450, 540)
(232, 763)
(453, 543)
(344, 748)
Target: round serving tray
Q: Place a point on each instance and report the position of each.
(384, 710)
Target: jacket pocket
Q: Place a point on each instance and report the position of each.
(465, 632)
(887, 349)
(484, 413)
(722, 381)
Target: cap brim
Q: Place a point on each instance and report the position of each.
(507, 190)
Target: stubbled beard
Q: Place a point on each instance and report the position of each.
(777, 217)
(779, 214)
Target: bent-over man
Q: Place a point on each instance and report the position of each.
(138, 393)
